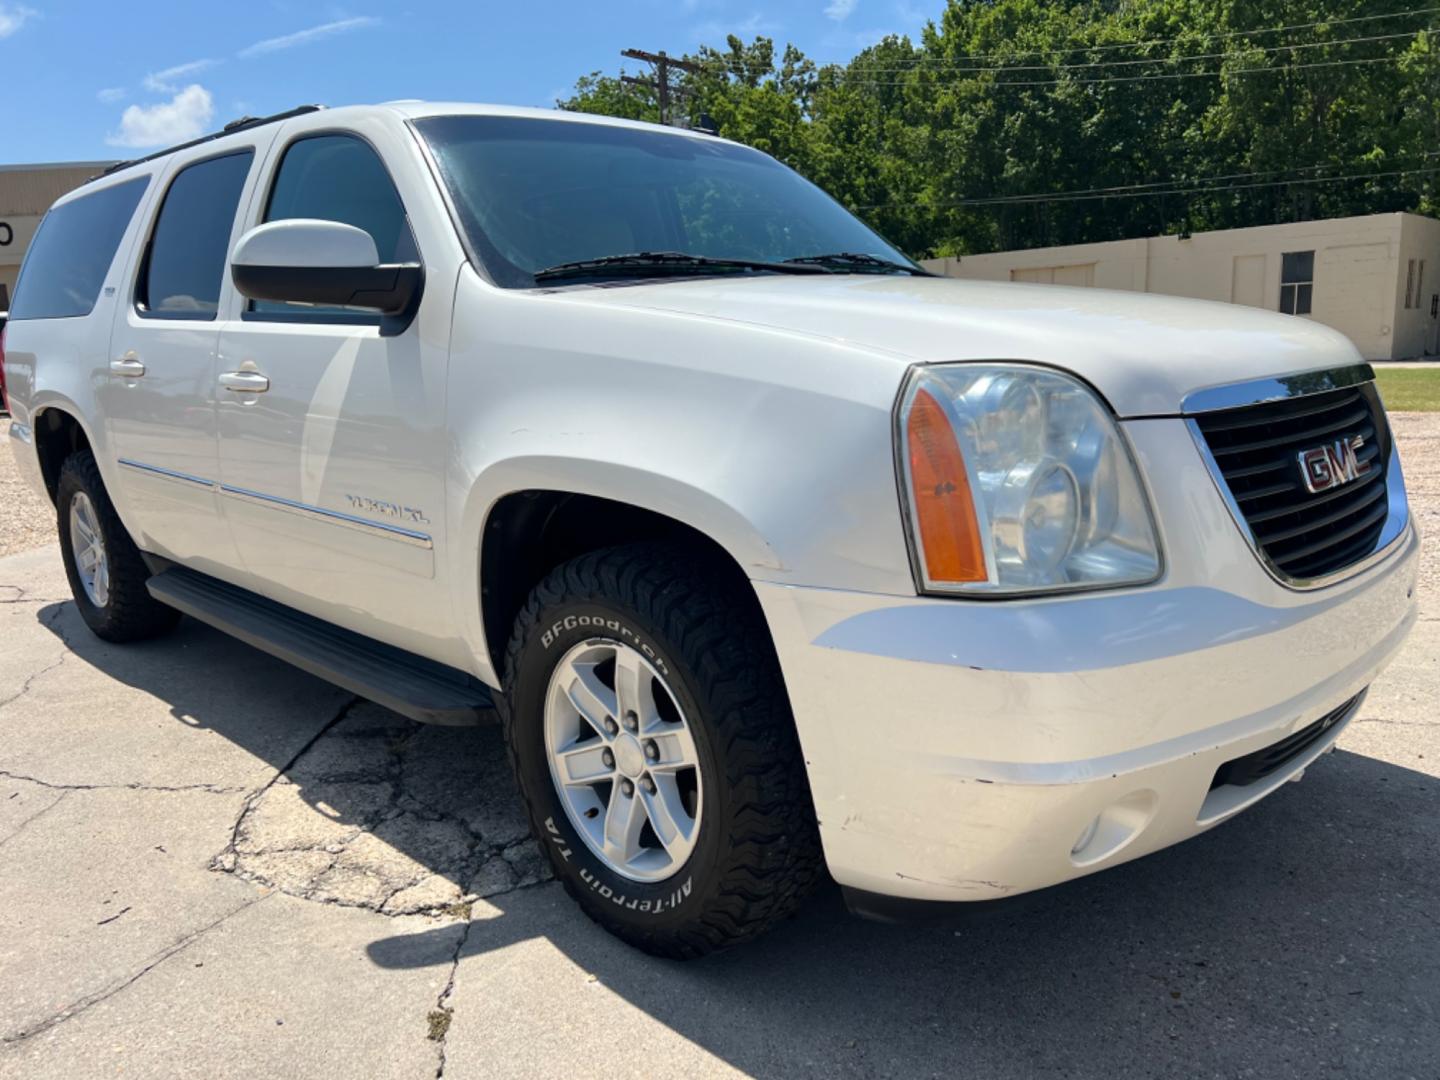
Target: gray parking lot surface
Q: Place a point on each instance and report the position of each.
(212, 864)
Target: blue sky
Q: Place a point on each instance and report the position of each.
(92, 81)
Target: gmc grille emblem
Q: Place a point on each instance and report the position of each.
(1330, 466)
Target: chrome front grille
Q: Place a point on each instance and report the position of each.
(1308, 530)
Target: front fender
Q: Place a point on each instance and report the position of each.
(777, 446)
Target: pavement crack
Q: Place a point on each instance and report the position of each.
(22, 596)
(228, 857)
(112, 918)
(34, 817)
(87, 1002)
(400, 836)
(214, 789)
(30, 681)
(440, 1017)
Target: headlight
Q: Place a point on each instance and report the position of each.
(1016, 479)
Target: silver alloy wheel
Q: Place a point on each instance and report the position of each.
(87, 545)
(623, 760)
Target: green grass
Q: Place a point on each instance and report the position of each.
(1409, 391)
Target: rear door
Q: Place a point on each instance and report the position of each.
(332, 449)
(159, 397)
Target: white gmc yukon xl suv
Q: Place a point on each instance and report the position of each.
(773, 551)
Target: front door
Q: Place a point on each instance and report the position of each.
(332, 454)
(159, 398)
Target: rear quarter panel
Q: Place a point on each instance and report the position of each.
(62, 363)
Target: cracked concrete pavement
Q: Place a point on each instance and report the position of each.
(211, 863)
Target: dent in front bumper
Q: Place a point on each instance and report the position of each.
(958, 751)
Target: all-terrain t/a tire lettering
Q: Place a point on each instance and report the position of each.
(757, 852)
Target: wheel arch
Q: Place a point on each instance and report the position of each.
(527, 532)
(58, 432)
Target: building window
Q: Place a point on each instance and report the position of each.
(1297, 281)
(1410, 286)
(1420, 283)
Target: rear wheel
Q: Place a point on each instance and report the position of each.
(107, 575)
(654, 747)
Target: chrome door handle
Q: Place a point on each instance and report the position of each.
(128, 366)
(244, 382)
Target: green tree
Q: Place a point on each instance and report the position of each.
(1018, 123)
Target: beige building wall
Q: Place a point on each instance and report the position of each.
(1415, 325)
(1361, 268)
(26, 192)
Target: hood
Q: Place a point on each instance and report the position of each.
(1143, 352)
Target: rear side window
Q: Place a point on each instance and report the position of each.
(340, 178)
(185, 263)
(72, 252)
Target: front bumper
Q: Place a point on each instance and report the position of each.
(976, 750)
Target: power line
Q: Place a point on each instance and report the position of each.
(1095, 194)
(1173, 183)
(999, 60)
(1222, 74)
(1223, 36)
(925, 69)
(923, 66)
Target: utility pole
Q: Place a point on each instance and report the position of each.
(661, 83)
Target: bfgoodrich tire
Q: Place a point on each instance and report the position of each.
(107, 575)
(691, 826)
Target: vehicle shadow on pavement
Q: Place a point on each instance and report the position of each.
(363, 807)
(1304, 935)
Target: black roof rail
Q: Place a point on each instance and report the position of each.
(243, 124)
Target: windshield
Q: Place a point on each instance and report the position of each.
(533, 194)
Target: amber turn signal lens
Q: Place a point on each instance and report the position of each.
(944, 508)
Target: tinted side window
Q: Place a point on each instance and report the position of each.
(340, 178)
(185, 264)
(72, 252)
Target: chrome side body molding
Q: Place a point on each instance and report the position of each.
(275, 502)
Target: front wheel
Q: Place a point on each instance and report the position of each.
(653, 744)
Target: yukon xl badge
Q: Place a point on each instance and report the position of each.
(1330, 466)
(386, 509)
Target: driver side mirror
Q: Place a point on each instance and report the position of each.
(326, 263)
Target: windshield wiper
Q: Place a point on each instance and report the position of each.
(859, 263)
(658, 263)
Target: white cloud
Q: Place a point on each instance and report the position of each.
(184, 116)
(165, 82)
(305, 37)
(840, 10)
(110, 95)
(13, 17)
(714, 31)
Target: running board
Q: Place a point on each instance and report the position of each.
(413, 686)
